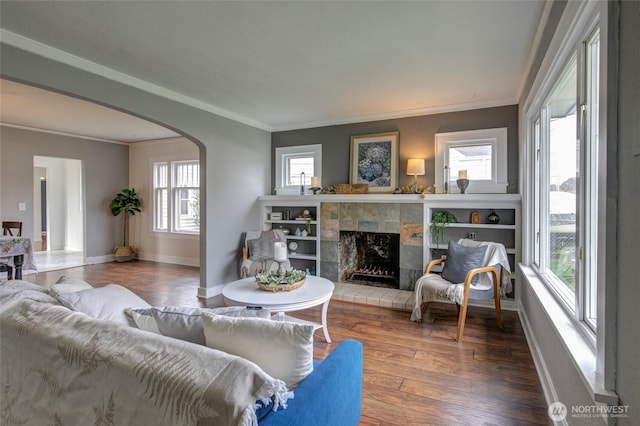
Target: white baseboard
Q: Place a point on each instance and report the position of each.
(99, 259)
(175, 260)
(205, 293)
(550, 394)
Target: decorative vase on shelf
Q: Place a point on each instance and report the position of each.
(293, 246)
(493, 218)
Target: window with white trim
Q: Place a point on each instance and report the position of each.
(176, 192)
(564, 132)
(295, 166)
(482, 154)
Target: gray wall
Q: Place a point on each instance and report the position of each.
(628, 230)
(232, 155)
(106, 171)
(417, 140)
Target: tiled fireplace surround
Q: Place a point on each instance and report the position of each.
(405, 219)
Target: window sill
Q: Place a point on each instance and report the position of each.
(175, 235)
(580, 349)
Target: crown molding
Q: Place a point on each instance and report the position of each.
(49, 52)
(401, 114)
(54, 132)
(535, 45)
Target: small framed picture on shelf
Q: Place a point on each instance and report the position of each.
(275, 216)
(476, 217)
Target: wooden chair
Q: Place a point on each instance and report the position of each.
(11, 229)
(436, 285)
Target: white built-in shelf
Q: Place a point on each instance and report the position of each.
(510, 250)
(300, 237)
(302, 256)
(480, 226)
(291, 222)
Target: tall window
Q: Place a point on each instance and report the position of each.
(565, 140)
(176, 187)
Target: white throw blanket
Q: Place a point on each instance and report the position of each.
(432, 287)
(63, 367)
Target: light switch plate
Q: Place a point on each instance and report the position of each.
(22, 207)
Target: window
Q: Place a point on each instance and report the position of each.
(482, 153)
(181, 209)
(295, 165)
(564, 131)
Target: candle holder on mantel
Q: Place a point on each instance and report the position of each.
(315, 189)
(462, 184)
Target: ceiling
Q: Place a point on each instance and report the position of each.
(33, 108)
(278, 65)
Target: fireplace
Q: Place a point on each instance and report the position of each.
(370, 258)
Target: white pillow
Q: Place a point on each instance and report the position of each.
(185, 323)
(68, 285)
(143, 319)
(283, 350)
(107, 303)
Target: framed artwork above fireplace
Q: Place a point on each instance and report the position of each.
(374, 161)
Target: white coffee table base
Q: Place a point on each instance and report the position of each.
(315, 291)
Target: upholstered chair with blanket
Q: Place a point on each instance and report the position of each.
(473, 270)
(257, 252)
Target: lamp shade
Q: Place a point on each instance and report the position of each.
(415, 166)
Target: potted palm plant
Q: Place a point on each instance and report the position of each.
(128, 203)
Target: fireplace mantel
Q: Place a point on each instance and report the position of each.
(406, 214)
(393, 198)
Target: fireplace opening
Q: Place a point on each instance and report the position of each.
(370, 258)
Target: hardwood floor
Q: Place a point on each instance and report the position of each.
(414, 374)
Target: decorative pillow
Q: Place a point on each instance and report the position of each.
(143, 319)
(107, 303)
(241, 311)
(185, 323)
(68, 285)
(180, 322)
(460, 260)
(261, 248)
(283, 350)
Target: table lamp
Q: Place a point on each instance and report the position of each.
(415, 167)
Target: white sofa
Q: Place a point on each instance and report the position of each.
(60, 366)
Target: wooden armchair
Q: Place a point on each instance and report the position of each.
(257, 252)
(432, 287)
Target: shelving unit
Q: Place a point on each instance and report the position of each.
(507, 231)
(306, 256)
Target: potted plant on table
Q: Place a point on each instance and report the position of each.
(128, 203)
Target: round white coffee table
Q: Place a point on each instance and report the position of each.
(315, 291)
